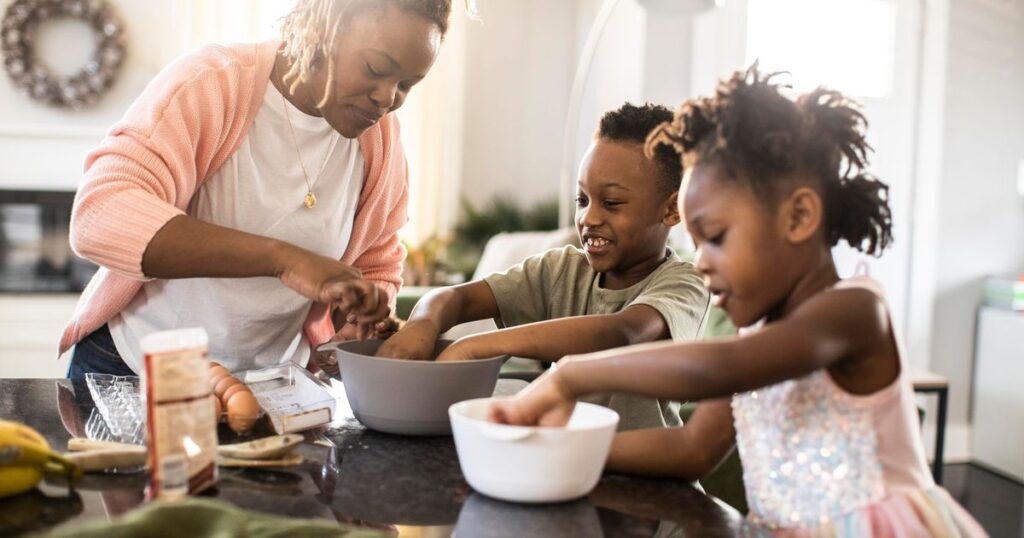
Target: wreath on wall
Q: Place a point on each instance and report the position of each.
(81, 89)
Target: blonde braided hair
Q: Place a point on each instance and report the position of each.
(311, 29)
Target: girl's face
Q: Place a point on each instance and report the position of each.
(741, 246)
(380, 55)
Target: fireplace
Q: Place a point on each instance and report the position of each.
(35, 255)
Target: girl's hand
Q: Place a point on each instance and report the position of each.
(546, 402)
(415, 341)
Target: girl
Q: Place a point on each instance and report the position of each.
(279, 159)
(822, 408)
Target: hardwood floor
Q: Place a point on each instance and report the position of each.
(995, 501)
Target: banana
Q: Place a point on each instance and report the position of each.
(17, 428)
(16, 431)
(25, 457)
(18, 479)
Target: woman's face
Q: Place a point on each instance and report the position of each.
(380, 54)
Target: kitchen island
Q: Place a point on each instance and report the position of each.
(411, 486)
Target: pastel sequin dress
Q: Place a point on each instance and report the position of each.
(819, 461)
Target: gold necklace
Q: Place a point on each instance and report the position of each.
(310, 200)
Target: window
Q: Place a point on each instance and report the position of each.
(846, 45)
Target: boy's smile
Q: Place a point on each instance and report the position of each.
(622, 216)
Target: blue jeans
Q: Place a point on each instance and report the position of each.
(96, 353)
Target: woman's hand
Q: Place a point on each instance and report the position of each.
(415, 341)
(325, 280)
(381, 330)
(546, 402)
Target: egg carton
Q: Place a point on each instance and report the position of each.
(119, 413)
(293, 399)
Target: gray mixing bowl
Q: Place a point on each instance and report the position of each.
(409, 397)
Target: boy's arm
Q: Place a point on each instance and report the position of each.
(444, 308)
(436, 312)
(689, 452)
(553, 339)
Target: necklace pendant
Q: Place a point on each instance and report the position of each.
(310, 200)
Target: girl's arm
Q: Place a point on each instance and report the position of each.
(689, 452)
(553, 339)
(848, 324)
(826, 329)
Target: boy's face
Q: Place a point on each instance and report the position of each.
(622, 215)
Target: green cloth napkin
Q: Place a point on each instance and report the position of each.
(209, 518)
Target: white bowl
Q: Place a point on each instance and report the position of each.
(532, 464)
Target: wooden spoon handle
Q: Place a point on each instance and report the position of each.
(97, 460)
(81, 444)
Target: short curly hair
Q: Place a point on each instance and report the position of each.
(760, 136)
(631, 123)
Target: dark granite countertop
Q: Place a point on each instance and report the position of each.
(412, 485)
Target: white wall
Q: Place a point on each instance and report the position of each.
(971, 219)
(43, 147)
(518, 75)
(521, 64)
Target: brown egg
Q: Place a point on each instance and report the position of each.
(217, 370)
(223, 385)
(218, 408)
(243, 410)
(232, 390)
(217, 379)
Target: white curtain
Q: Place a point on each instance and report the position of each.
(432, 127)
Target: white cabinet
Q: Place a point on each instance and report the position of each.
(998, 394)
(30, 328)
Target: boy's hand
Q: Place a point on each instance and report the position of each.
(415, 341)
(546, 402)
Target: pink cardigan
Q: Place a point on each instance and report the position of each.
(184, 126)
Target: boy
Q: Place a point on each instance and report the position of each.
(625, 286)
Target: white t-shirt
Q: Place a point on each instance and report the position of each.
(256, 322)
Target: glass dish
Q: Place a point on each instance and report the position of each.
(120, 413)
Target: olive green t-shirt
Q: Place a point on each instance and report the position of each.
(561, 283)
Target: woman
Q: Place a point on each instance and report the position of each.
(270, 160)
